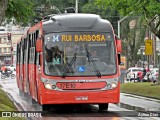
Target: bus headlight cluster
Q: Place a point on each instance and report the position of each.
(50, 86)
(111, 85)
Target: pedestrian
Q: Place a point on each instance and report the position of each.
(3, 69)
(144, 72)
(148, 72)
(140, 76)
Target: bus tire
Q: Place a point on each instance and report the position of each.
(45, 108)
(103, 107)
(21, 93)
(31, 100)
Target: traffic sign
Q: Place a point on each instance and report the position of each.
(124, 61)
(148, 47)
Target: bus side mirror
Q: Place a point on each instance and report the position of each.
(119, 46)
(39, 45)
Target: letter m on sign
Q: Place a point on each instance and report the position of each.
(55, 38)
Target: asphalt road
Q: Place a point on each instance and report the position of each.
(130, 107)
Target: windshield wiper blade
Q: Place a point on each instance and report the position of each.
(64, 71)
(73, 59)
(90, 59)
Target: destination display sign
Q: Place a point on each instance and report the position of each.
(79, 37)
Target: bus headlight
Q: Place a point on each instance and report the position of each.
(114, 85)
(48, 86)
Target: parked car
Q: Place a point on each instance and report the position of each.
(132, 73)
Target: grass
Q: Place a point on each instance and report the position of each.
(7, 105)
(143, 89)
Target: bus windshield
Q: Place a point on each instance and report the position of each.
(79, 54)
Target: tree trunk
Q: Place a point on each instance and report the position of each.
(154, 25)
(3, 8)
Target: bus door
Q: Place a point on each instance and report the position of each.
(38, 74)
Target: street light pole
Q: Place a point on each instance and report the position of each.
(11, 52)
(119, 21)
(76, 6)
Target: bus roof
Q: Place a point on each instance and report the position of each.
(76, 22)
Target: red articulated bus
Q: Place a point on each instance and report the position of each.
(70, 59)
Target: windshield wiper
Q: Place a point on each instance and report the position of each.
(69, 65)
(73, 60)
(90, 59)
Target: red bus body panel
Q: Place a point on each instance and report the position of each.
(18, 75)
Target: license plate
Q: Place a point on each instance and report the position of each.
(81, 97)
(66, 85)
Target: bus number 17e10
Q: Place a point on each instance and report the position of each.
(66, 85)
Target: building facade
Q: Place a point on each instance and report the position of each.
(8, 47)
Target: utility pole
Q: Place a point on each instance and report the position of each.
(76, 6)
(11, 52)
(119, 21)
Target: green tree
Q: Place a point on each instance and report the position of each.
(21, 10)
(148, 9)
(132, 38)
(47, 7)
(3, 7)
(106, 13)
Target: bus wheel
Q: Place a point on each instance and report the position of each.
(21, 93)
(45, 107)
(103, 107)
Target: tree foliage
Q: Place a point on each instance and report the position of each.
(133, 38)
(21, 10)
(106, 13)
(149, 9)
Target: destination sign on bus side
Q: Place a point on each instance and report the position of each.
(80, 38)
